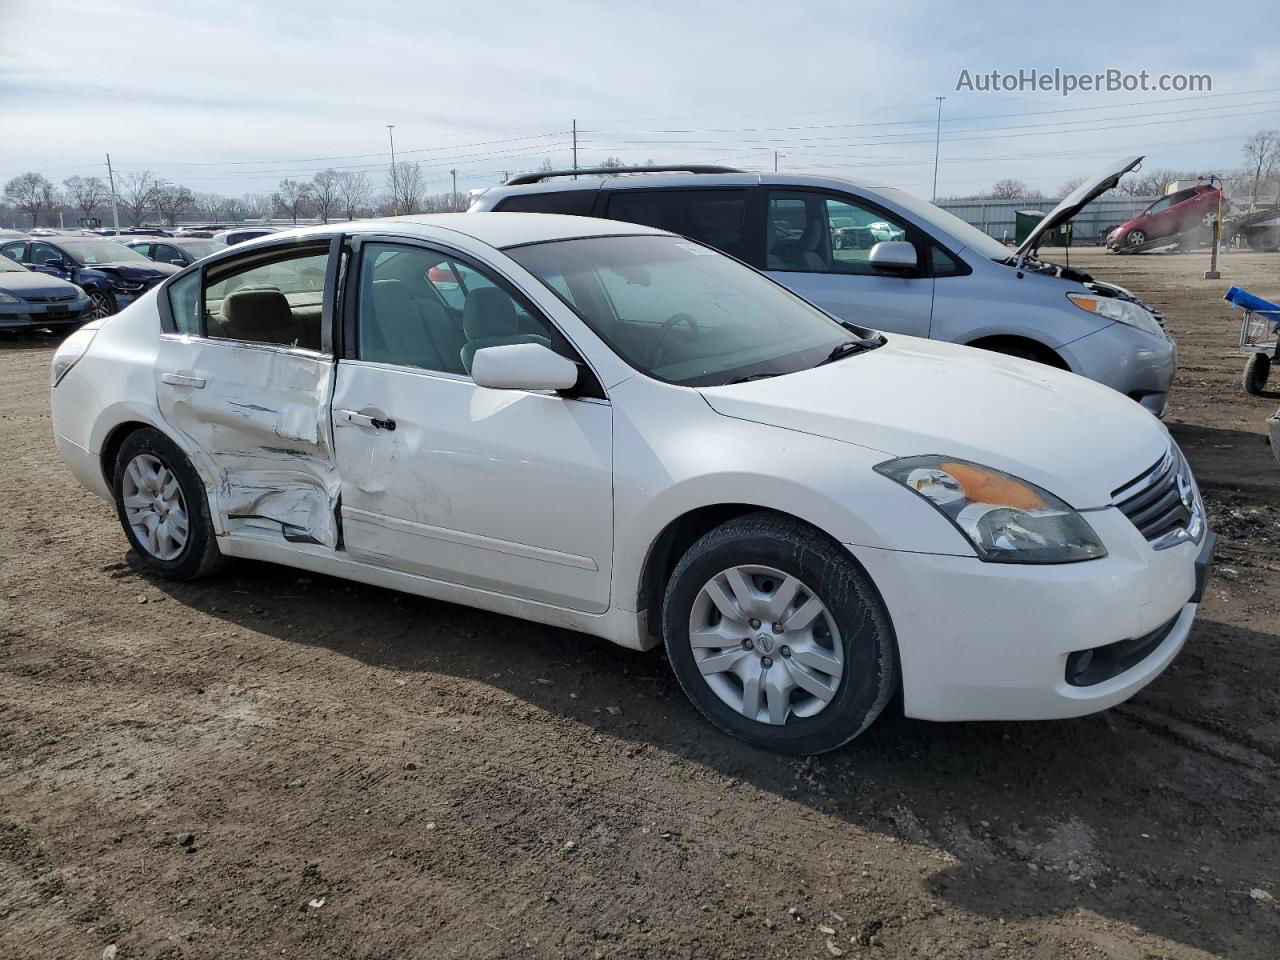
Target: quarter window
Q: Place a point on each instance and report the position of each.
(280, 301)
(421, 308)
(184, 303)
(576, 203)
(813, 233)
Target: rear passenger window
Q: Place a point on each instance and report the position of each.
(421, 308)
(278, 302)
(575, 203)
(714, 217)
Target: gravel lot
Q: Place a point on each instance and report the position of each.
(268, 764)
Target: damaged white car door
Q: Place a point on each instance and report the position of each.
(247, 378)
(509, 491)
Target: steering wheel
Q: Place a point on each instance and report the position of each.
(664, 333)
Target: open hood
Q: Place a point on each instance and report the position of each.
(1076, 201)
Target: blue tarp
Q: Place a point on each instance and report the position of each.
(1243, 298)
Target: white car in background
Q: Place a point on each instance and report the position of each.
(608, 428)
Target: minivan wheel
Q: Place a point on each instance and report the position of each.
(163, 508)
(778, 637)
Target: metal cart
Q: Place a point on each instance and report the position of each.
(1259, 337)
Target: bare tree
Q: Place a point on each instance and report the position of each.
(407, 187)
(138, 191)
(292, 197)
(87, 193)
(31, 193)
(260, 205)
(235, 208)
(354, 193)
(1069, 186)
(210, 206)
(326, 192)
(1261, 153)
(172, 201)
(1010, 189)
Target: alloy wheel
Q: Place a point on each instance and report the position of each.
(154, 507)
(765, 644)
(102, 306)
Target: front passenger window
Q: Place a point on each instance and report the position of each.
(421, 308)
(814, 233)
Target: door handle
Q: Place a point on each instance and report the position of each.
(364, 420)
(182, 380)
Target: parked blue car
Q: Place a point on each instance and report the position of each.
(32, 301)
(109, 272)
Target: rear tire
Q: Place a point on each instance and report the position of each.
(1256, 371)
(163, 507)
(810, 699)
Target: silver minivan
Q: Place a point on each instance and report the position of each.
(886, 259)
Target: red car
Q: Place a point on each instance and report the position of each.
(1175, 213)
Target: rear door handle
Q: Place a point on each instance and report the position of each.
(182, 380)
(364, 420)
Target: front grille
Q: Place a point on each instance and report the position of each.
(58, 299)
(1162, 502)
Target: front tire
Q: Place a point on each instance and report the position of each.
(104, 305)
(163, 508)
(778, 637)
(1135, 238)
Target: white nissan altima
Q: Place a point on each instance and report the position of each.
(615, 430)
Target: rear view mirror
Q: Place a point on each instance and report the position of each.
(893, 255)
(523, 366)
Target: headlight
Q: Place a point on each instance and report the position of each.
(7, 297)
(68, 352)
(127, 286)
(1006, 519)
(1122, 311)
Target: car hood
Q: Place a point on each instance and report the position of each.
(1074, 437)
(137, 271)
(32, 284)
(1076, 201)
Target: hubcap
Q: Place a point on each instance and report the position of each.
(154, 507)
(765, 644)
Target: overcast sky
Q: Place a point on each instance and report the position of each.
(231, 96)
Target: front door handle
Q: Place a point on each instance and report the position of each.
(364, 420)
(182, 380)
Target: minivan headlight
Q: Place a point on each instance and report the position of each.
(1006, 519)
(1121, 311)
(68, 352)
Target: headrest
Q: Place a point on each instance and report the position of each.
(249, 313)
(391, 296)
(489, 313)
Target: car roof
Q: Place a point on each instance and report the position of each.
(498, 230)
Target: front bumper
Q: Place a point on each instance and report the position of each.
(1137, 364)
(33, 316)
(988, 641)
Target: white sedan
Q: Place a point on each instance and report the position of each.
(611, 429)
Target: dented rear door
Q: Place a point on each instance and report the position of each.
(255, 414)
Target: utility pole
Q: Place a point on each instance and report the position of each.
(453, 205)
(115, 210)
(395, 187)
(937, 145)
(575, 146)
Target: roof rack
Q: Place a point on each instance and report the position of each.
(595, 171)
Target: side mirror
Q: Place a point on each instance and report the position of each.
(523, 366)
(893, 255)
(55, 262)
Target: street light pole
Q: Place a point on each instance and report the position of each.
(395, 187)
(776, 155)
(115, 210)
(937, 145)
(454, 204)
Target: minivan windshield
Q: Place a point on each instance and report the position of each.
(935, 216)
(682, 312)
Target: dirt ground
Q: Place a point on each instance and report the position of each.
(267, 764)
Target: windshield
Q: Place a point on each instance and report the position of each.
(9, 266)
(682, 312)
(101, 251)
(966, 233)
(200, 248)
